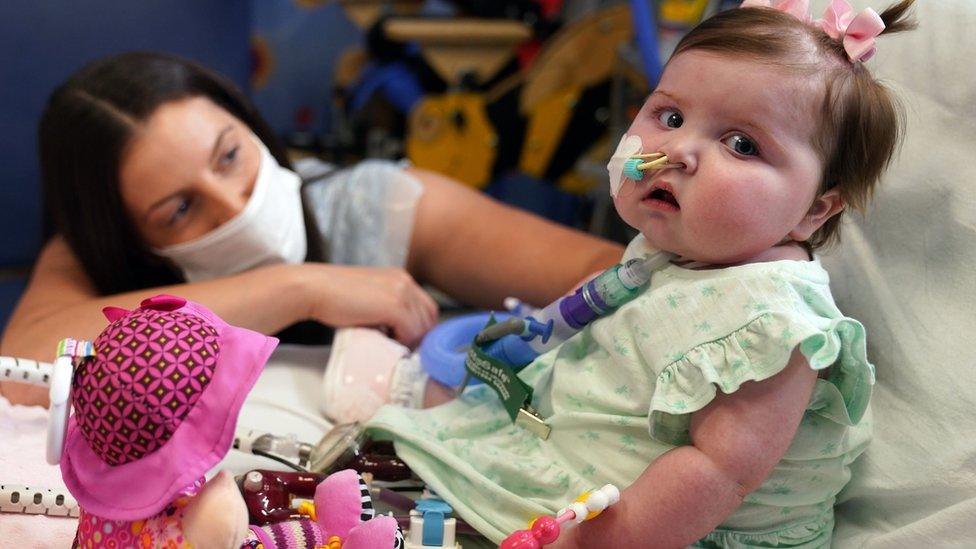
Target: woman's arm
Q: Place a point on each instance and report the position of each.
(60, 302)
(686, 493)
(482, 251)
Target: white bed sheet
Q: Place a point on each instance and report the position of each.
(908, 271)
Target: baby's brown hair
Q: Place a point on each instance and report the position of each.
(860, 124)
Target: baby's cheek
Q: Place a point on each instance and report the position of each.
(649, 133)
(726, 210)
(626, 203)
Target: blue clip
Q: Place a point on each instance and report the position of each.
(536, 328)
(434, 512)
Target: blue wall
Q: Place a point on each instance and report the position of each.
(42, 42)
(297, 44)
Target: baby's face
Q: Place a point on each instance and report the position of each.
(743, 131)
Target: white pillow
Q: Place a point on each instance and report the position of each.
(908, 271)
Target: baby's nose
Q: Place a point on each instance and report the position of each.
(680, 157)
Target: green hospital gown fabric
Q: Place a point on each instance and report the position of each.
(620, 393)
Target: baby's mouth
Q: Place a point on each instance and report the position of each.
(662, 194)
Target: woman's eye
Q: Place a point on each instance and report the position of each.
(180, 211)
(742, 145)
(229, 156)
(670, 118)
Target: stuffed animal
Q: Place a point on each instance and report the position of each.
(155, 408)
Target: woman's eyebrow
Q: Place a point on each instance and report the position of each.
(213, 155)
(220, 138)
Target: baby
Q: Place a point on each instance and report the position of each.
(730, 398)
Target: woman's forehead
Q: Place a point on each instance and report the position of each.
(173, 144)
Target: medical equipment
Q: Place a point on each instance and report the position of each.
(342, 446)
(629, 162)
(431, 525)
(636, 165)
(501, 349)
(444, 348)
(545, 529)
(57, 376)
(25, 370)
(17, 498)
(345, 446)
(276, 496)
(562, 318)
(269, 495)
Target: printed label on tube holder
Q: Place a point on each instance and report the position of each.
(515, 394)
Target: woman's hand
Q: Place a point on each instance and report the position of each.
(384, 297)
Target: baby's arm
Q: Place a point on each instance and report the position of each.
(682, 496)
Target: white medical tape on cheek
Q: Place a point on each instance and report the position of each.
(629, 145)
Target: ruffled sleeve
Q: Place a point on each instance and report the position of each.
(758, 351)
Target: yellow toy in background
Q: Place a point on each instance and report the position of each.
(451, 134)
(573, 60)
(686, 13)
(547, 124)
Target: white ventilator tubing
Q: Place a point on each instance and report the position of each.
(17, 498)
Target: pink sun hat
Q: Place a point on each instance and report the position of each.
(157, 405)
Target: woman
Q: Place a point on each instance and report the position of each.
(159, 176)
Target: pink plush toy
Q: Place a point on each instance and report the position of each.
(154, 410)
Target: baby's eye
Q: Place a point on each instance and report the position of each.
(670, 118)
(742, 145)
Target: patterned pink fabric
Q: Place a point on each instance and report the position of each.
(149, 370)
(157, 408)
(164, 530)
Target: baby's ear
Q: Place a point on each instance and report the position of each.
(823, 208)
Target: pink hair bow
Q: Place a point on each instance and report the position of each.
(857, 32)
(797, 8)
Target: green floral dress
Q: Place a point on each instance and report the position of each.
(621, 393)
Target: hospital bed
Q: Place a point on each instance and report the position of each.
(906, 271)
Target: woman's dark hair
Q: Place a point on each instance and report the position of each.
(83, 133)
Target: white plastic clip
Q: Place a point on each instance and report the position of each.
(60, 394)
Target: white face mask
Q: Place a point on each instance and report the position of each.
(629, 146)
(270, 229)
